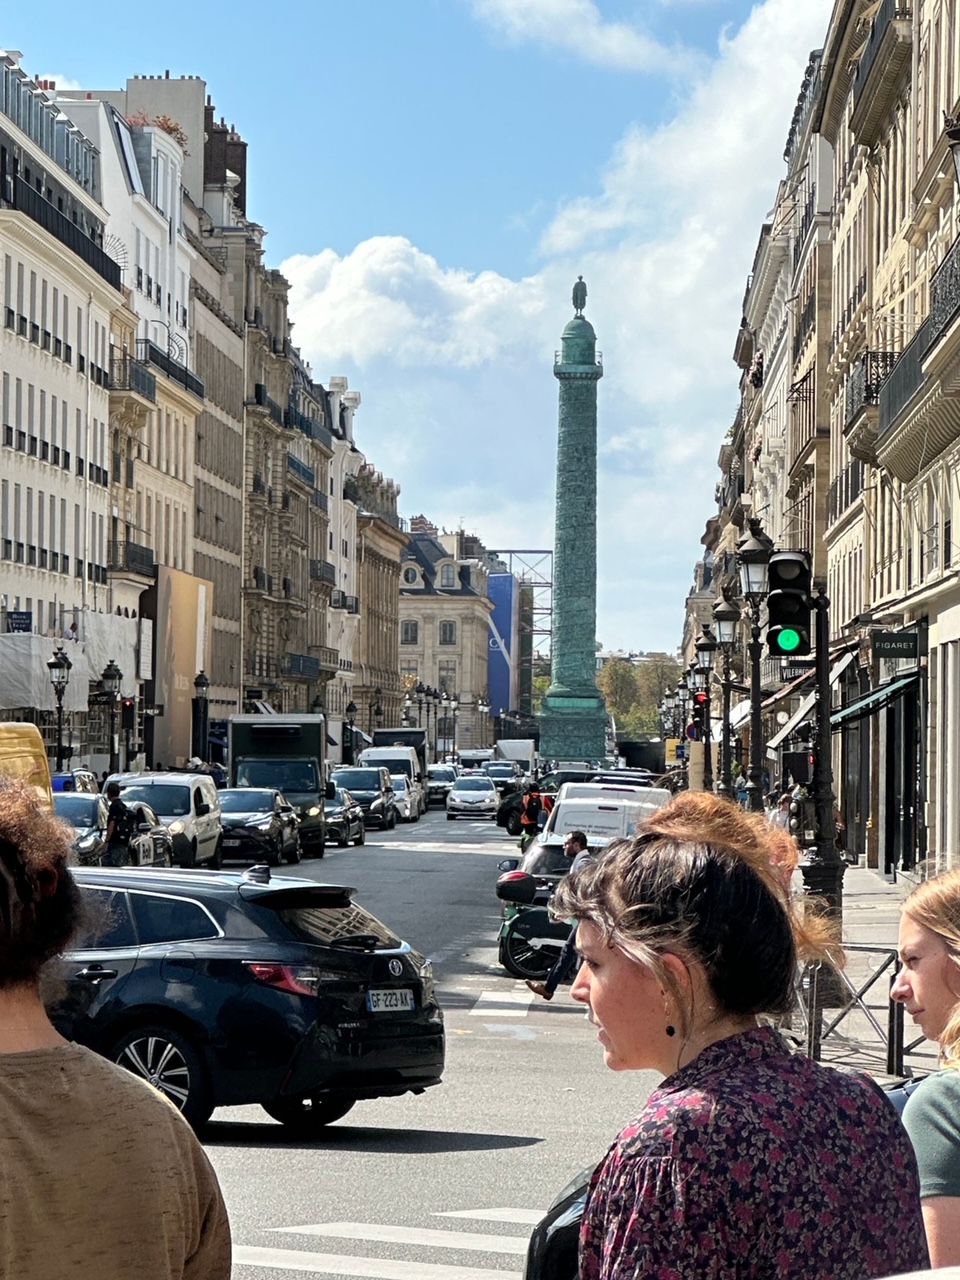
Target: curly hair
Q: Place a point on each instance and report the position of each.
(702, 880)
(40, 905)
(936, 904)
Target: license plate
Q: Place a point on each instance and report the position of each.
(231, 844)
(394, 999)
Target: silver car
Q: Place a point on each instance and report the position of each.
(472, 796)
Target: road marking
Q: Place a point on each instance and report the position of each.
(504, 1004)
(525, 1217)
(426, 1237)
(343, 1264)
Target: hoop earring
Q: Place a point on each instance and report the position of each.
(671, 1030)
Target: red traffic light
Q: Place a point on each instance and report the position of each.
(700, 699)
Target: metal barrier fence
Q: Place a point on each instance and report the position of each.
(848, 1017)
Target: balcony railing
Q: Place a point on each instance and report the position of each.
(130, 557)
(865, 380)
(328, 658)
(311, 427)
(322, 571)
(319, 499)
(150, 353)
(904, 380)
(889, 11)
(884, 61)
(844, 490)
(127, 374)
(301, 471)
(26, 199)
(945, 293)
(300, 664)
(261, 398)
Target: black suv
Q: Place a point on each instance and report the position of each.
(225, 989)
(371, 787)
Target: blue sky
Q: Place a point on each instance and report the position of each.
(434, 174)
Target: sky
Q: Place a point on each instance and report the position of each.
(433, 175)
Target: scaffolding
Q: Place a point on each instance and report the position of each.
(533, 571)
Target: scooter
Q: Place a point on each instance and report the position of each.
(530, 941)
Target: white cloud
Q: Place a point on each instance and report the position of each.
(62, 82)
(455, 369)
(578, 27)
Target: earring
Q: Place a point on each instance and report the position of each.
(671, 1030)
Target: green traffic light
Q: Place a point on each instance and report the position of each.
(788, 640)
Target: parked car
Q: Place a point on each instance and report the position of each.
(259, 824)
(406, 799)
(75, 780)
(188, 805)
(344, 819)
(371, 787)
(472, 796)
(440, 778)
(234, 988)
(149, 846)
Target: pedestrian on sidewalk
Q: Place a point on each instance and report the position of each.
(101, 1177)
(749, 1159)
(928, 986)
(575, 848)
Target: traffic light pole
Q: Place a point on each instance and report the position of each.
(755, 772)
(707, 753)
(823, 868)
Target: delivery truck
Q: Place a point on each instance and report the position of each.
(287, 753)
(521, 750)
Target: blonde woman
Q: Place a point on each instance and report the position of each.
(928, 986)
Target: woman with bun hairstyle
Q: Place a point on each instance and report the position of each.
(749, 1160)
(101, 1178)
(928, 985)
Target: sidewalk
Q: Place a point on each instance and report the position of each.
(871, 918)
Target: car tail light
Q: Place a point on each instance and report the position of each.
(300, 979)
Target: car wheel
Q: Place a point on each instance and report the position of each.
(168, 1060)
(294, 857)
(523, 961)
(513, 824)
(307, 1117)
(216, 862)
(362, 836)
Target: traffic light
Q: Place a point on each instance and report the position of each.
(697, 710)
(803, 820)
(128, 714)
(789, 603)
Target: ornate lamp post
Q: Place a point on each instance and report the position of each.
(726, 619)
(111, 678)
(420, 690)
(483, 710)
(706, 648)
(350, 711)
(59, 667)
(454, 712)
(201, 717)
(317, 707)
(376, 710)
(753, 557)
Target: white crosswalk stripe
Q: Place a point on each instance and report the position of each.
(503, 1004)
(370, 1268)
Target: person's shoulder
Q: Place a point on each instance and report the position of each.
(936, 1093)
(120, 1090)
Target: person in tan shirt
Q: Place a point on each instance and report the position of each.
(101, 1178)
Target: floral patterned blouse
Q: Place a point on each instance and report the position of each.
(755, 1163)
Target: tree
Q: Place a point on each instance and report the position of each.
(617, 681)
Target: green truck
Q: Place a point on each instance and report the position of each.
(287, 753)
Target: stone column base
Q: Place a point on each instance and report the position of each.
(572, 728)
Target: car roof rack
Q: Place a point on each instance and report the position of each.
(257, 874)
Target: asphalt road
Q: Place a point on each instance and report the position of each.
(444, 1186)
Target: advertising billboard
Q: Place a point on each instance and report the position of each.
(182, 650)
(503, 655)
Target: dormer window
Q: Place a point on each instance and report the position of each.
(410, 575)
(448, 576)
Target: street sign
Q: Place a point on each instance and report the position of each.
(102, 698)
(19, 620)
(896, 644)
(154, 711)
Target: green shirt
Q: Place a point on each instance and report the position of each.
(932, 1119)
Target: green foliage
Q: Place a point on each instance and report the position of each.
(633, 691)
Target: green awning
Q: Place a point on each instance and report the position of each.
(873, 701)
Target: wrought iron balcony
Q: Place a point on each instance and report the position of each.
(25, 199)
(300, 664)
(150, 353)
(903, 381)
(322, 571)
(861, 401)
(130, 557)
(127, 374)
(263, 401)
(945, 293)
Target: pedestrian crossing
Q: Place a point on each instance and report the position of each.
(431, 1240)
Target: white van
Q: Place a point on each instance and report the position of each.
(399, 759)
(188, 806)
(603, 812)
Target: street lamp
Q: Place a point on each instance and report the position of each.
(951, 127)
(317, 706)
(59, 667)
(726, 619)
(351, 711)
(111, 679)
(706, 648)
(375, 710)
(420, 689)
(753, 558)
(201, 717)
(483, 709)
(454, 710)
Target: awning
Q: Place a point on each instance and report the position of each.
(807, 705)
(873, 701)
(364, 737)
(332, 742)
(740, 714)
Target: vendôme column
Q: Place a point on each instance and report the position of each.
(573, 715)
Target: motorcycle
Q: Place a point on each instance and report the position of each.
(530, 941)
